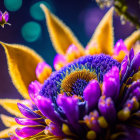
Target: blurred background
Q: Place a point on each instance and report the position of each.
(28, 28)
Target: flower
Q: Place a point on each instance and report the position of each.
(4, 17)
(89, 96)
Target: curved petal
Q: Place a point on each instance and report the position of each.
(8, 121)
(104, 35)
(5, 133)
(61, 36)
(131, 40)
(11, 106)
(22, 63)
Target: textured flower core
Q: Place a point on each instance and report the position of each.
(73, 78)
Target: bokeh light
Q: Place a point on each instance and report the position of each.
(31, 31)
(36, 12)
(13, 5)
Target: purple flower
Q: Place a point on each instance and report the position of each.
(87, 106)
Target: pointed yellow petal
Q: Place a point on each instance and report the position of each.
(8, 121)
(5, 133)
(61, 36)
(11, 106)
(131, 40)
(104, 35)
(22, 63)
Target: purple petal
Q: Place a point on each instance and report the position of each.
(107, 108)
(28, 131)
(33, 89)
(46, 107)
(136, 62)
(43, 71)
(111, 83)
(92, 93)
(120, 46)
(136, 92)
(27, 112)
(23, 121)
(0, 16)
(70, 107)
(124, 65)
(59, 61)
(134, 89)
(131, 54)
(6, 16)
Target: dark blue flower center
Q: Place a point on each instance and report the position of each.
(73, 78)
(78, 87)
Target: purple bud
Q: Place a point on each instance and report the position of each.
(33, 89)
(134, 89)
(70, 107)
(46, 107)
(136, 62)
(107, 108)
(28, 131)
(136, 92)
(111, 83)
(91, 121)
(92, 93)
(5, 16)
(120, 46)
(27, 112)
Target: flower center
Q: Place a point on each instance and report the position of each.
(76, 81)
(73, 78)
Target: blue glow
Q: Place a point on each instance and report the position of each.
(13, 5)
(36, 12)
(31, 31)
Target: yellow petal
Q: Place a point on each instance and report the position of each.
(5, 133)
(104, 35)
(22, 63)
(61, 36)
(11, 106)
(131, 40)
(8, 121)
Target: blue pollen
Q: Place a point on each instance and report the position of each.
(99, 64)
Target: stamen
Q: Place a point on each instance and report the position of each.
(124, 114)
(102, 122)
(91, 135)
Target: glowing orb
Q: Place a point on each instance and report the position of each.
(36, 12)
(13, 5)
(31, 31)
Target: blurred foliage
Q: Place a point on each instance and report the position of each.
(125, 9)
